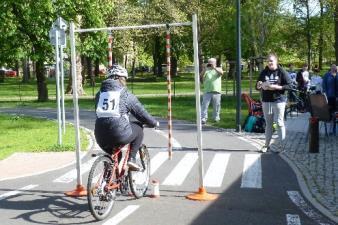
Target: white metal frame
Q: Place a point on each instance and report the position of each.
(197, 85)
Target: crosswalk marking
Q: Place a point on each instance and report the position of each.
(252, 171)
(71, 175)
(216, 171)
(157, 161)
(11, 193)
(292, 219)
(179, 173)
(121, 215)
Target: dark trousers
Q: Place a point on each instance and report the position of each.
(135, 139)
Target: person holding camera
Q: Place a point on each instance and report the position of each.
(212, 82)
(273, 81)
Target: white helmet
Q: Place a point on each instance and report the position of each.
(117, 71)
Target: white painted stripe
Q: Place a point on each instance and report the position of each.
(72, 175)
(180, 172)
(216, 171)
(11, 193)
(299, 201)
(157, 161)
(122, 215)
(292, 219)
(175, 143)
(252, 171)
(253, 143)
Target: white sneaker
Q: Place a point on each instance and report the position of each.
(264, 149)
(204, 121)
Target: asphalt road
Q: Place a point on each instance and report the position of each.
(252, 188)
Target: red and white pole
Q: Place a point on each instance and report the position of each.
(167, 37)
(110, 53)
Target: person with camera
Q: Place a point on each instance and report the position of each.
(212, 82)
(273, 81)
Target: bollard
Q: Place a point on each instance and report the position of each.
(314, 135)
(155, 189)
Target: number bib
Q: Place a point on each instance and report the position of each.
(109, 104)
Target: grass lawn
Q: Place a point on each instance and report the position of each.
(27, 134)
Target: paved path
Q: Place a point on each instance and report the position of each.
(224, 145)
(317, 173)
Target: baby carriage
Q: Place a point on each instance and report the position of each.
(255, 121)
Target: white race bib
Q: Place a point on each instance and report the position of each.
(109, 104)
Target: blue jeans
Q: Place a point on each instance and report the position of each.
(215, 97)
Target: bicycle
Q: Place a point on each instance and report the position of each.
(106, 178)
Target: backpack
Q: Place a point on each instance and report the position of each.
(249, 123)
(259, 126)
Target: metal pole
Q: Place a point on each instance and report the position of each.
(250, 76)
(167, 38)
(133, 27)
(110, 53)
(238, 67)
(57, 76)
(76, 105)
(198, 100)
(62, 91)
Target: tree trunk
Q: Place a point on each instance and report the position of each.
(80, 90)
(25, 69)
(321, 37)
(90, 71)
(157, 56)
(336, 31)
(17, 67)
(41, 81)
(173, 66)
(308, 33)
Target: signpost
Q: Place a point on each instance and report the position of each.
(57, 35)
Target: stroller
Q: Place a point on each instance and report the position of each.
(255, 121)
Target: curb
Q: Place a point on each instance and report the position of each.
(305, 190)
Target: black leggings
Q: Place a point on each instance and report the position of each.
(135, 139)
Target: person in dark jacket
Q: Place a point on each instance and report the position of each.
(330, 87)
(273, 82)
(113, 126)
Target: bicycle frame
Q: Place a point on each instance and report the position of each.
(119, 173)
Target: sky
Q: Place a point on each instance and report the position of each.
(287, 5)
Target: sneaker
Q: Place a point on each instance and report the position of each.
(204, 121)
(132, 164)
(264, 149)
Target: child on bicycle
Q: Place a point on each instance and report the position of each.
(113, 104)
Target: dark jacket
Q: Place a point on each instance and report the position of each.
(115, 130)
(330, 85)
(278, 76)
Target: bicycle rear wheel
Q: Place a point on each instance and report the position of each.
(139, 180)
(100, 199)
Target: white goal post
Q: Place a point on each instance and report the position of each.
(197, 85)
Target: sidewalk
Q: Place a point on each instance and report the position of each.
(317, 173)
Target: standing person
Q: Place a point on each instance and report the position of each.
(273, 81)
(212, 82)
(113, 103)
(303, 81)
(330, 87)
(316, 80)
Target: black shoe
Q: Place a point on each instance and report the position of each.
(132, 164)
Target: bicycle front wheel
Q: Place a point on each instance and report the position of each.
(100, 198)
(139, 180)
